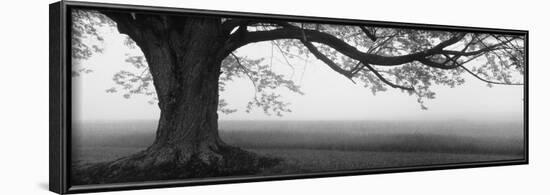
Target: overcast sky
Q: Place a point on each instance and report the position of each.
(328, 95)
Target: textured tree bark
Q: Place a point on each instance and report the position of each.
(184, 57)
(185, 65)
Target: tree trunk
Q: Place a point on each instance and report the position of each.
(184, 55)
(186, 69)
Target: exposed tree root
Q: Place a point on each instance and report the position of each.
(168, 164)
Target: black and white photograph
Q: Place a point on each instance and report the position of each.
(274, 97)
(186, 96)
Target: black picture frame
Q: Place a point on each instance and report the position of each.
(60, 99)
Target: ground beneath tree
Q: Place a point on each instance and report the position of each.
(306, 147)
(293, 161)
(232, 161)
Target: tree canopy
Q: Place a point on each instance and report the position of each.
(378, 58)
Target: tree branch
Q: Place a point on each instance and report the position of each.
(370, 35)
(485, 80)
(462, 53)
(380, 44)
(284, 56)
(246, 72)
(231, 24)
(125, 23)
(326, 60)
(291, 32)
(385, 80)
(349, 74)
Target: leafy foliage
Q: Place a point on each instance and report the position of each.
(130, 83)
(502, 65)
(85, 37)
(265, 82)
(499, 59)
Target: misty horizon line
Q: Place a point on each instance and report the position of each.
(439, 119)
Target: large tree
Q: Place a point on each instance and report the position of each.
(188, 59)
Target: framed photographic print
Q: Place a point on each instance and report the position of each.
(147, 97)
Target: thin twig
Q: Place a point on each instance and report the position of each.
(485, 80)
(385, 80)
(247, 73)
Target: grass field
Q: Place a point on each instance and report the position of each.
(313, 146)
